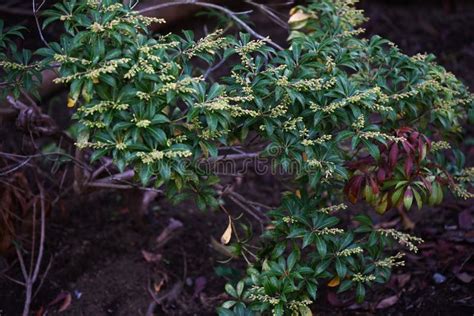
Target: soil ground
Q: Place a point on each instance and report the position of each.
(97, 246)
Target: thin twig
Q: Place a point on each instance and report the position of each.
(270, 12)
(30, 277)
(13, 169)
(231, 14)
(38, 26)
(213, 68)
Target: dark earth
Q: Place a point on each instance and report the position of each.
(96, 240)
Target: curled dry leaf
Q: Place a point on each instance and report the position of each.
(298, 194)
(66, 303)
(157, 286)
(334, 282)
(64, 298)
(227, 235)
(71, 102)
(298, 16)
(150, 256)
(167, 233)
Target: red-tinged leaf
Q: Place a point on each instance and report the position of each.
(393, 155)
(407, 147)
(421, 150)
(352, 198)
(414, 137)
(404, 129)
(381, 175)
(387, 302)
(408, 198)
(354, 187)
(428, 142)
(408, 167)
(374, 186)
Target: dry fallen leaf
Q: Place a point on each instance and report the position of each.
(334, 282)
(465, 277)
(158, 286)
(387, 302)
(298, 194)
(71, 102)
(227, 235)
(150, 256)
(66, 303)
(298, 16)
(64, 298)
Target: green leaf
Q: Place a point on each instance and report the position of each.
(372, 149)
(345, 285)
(231, 290)
(341, 268)
(360, 293)
(321, 246)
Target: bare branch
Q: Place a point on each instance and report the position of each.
(233, 15)
(36, 9)
(270, 13)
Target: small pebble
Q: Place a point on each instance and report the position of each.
(439, 278)
(77, 294)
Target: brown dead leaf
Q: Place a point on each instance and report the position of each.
(298, 194)
(168, 232)
(66, 303)
(150, 256)
(71, 102)
(464, 277)
(227, 235)
(64, 298)
(157, 286)
(298, 16)
(387, 302)
(334, 282)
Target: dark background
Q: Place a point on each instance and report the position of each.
(97, 248)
